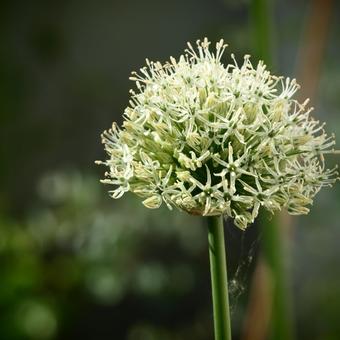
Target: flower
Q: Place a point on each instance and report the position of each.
(211, 139)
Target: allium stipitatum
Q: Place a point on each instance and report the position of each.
(211, 139)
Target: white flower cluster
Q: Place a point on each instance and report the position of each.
(212, 140)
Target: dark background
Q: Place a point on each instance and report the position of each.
(76, 264)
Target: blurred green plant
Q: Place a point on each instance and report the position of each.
(77, 243)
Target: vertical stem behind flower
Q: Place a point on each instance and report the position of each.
(219, 282)
(272, 243)
(261, 18)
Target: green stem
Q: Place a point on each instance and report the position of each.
(281, 318)
(263, 30)
(219, 282)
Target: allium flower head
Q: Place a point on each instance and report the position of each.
(211, 139)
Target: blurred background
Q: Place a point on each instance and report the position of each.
(75, 264)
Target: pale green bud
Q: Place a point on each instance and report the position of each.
(153, 202)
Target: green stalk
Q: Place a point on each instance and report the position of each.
(272, 246)
(219, 281)
(262, 28)
(261, 17)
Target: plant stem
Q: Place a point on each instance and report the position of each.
(263, 29)
(281, 318)
(219, 281)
